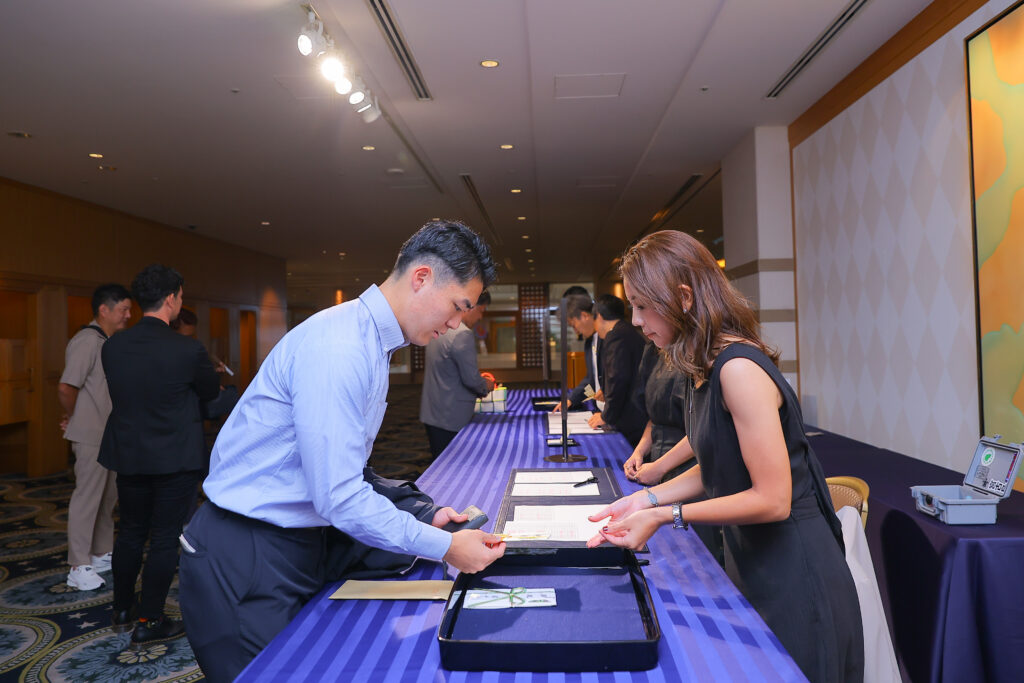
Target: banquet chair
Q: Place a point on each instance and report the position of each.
(851, 491)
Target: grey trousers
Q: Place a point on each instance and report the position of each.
(90, 514)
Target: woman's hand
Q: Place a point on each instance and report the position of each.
(650, 473)
(623, 507)
(633, 465)
(631, 532)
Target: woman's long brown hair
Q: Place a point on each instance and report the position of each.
(657, 265)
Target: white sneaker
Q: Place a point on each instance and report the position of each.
(84, 578)
(101, 563)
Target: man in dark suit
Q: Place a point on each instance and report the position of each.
(622, 347)
(580, 315)
(154, 441)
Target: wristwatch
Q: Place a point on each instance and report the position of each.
(677, 517)
(651, 497)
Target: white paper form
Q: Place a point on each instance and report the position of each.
(576, 423)
(560, 522)
(554, 490)
(553, 477)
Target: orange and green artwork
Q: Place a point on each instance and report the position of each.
(995, 70)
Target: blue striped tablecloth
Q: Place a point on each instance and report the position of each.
(709, 631)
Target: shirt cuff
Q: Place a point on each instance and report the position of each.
(433, 543)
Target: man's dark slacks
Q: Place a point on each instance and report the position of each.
(153, 507)
(241, 583)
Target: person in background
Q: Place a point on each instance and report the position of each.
(621, 350)
(187, 323)
(83, 395)
(154, 441)
(764, 485)
(452, 381)
(289, 462)
(580, 316)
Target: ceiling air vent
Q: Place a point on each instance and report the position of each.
(844, 18)
(467, 180)
(384, 16)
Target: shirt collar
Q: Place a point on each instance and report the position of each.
(390, 332)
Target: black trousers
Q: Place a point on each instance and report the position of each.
(439, 439)
(241, 582)
(153, 508)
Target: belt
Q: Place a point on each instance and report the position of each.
(312, 532)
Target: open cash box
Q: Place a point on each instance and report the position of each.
(989, 480)
(598, 614)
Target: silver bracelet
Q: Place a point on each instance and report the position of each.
(651, 497)
(677, 517)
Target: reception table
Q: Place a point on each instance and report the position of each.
(954, 594)
(709, 631)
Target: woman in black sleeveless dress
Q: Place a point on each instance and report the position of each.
(764, 485)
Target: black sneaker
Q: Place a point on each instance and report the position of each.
(122, 620)
(152, 630)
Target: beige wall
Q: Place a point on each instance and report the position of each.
(885, 279)
(56, 246)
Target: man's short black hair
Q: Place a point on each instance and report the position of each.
(484, 299)
(610, 307)
(575, 304)
(453, 249)
(109, 295)
(151, 286)
(576, 290)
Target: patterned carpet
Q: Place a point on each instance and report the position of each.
(50, 632)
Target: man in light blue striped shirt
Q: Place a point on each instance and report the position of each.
(289, 461)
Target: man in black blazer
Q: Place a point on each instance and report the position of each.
(580, 316)
(621, 349)
(154, 441)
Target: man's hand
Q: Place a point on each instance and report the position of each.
(558, 406)
(64, 422)
(599, 396)
(472, 550)
(445, 515)
(596, 421)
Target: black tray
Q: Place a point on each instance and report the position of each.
(604, 620)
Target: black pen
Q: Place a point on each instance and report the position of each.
(592, 480)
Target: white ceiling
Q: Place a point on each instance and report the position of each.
(153, 86)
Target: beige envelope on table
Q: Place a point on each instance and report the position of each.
(393, 590)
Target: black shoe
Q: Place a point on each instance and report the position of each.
(122, 620)
(155, 629)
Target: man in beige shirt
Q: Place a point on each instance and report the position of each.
(83, 395)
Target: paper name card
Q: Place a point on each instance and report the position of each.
(393, 590)
(505, 598)
(554, 490)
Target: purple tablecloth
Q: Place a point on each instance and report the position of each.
(954, 594)
(709, 631)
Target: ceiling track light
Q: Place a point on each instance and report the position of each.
(311, 38)
(315, 41)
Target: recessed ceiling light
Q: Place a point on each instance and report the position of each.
(489, 63)
(507, 147)
(435, 219)
(515, 190)
(700, 229)
(95, 155)
(341, 254)
(528, 250)
(19, 134)
(529, 260)
(264, 222)
(369, 148)
(357, 279)
(324, 251)
(520, 218)
(526, 237)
